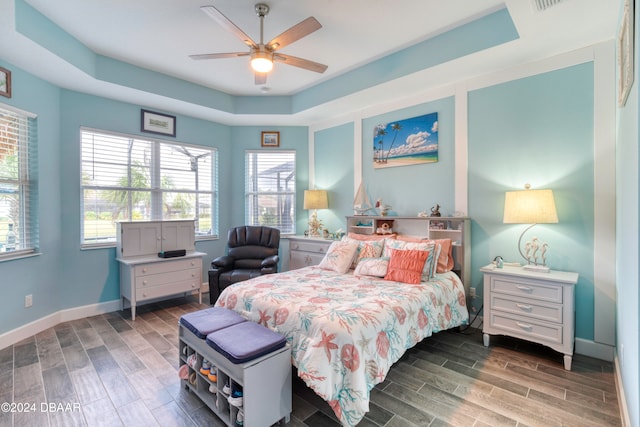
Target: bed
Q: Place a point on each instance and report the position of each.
(347, 329)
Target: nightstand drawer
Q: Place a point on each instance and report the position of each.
(527, 307)
(527, 289)
(318, 246)
(517, 326)
(304, 259)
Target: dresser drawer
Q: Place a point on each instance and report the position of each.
(527, 289)
(527, 307)
(528, 329)
(167, 289)
(149, 281)
(310, 246)
(166, 266)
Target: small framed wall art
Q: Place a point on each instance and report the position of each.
(158, 123)
(270, 139)
(5, 82)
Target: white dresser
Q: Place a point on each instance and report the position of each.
(305, 251)
(143, 274)
(533, 306)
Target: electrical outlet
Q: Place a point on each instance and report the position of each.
(28, 300)
(472, 292)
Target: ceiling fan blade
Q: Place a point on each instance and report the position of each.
(226, 23)
(260, 78)
(219, 55)
(295, 33)
(300, 62)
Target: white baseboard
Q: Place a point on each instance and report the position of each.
(594, 349)
(66, 315)
(37, 326)
(622, 400)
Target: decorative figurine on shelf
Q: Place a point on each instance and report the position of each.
(384, 209)
(423, 214)
(435, 211)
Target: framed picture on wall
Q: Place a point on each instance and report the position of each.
(625, 53)
(270, 139)
(162, 124)
(5, 82)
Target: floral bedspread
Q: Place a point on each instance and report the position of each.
(346, 331)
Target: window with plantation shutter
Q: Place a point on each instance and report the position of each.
(270, 189)
(18, 186)
(128, 178)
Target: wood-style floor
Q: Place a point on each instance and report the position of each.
(109, 371)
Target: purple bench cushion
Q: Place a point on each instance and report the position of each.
(245, 341)
(203, 322)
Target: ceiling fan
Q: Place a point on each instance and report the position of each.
(264, 54)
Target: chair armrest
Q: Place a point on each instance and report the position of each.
(270, 261)
(222, 263)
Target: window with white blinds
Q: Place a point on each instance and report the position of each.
(270, 189)
(18, 186)
(128, 178)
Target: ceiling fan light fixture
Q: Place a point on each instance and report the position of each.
(262, 62)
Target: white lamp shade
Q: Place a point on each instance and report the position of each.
(261, 62)
(530, 207)
(316, 199)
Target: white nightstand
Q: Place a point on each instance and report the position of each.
(305, 251)
(537, 307)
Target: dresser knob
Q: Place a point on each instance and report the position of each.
(144, 295)
(525, 288)
(144, 283)
(144, 270)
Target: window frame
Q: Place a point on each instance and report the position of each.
(27, 183)
(251, 219)
(155, 187)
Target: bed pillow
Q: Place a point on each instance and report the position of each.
(445, 258)
(339, 256)
(429, 267)
(357, 236)
(376, 267)
(406, 265)
(366, 249)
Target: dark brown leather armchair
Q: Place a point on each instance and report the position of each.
(252, 252)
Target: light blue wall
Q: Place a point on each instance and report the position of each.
(627, 239)
(333, 163)
(90, 276)
(40, 275)
(536, 130)
(412, 189)
(64, 276)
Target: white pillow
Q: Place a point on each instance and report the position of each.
(339, 256)
(376, 267)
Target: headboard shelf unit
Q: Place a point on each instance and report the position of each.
(458, 229)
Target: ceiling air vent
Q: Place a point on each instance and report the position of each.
(541, 5)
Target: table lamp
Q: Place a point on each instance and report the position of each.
(315, 199)
(531, 207)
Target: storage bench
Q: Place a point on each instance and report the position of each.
(265, 379)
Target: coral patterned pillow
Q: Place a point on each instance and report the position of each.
(376, 267)
(429, 268)
(339, 256)
(406, 265)
(366, 249)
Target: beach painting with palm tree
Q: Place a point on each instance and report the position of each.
(406, 142)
